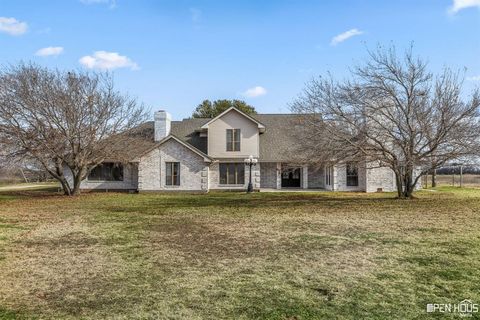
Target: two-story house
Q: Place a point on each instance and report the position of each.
(208, 154)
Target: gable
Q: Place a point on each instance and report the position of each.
(173, 143)
(217, 141)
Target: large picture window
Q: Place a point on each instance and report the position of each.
(107, 171)
(233, 139)
(352, 175)
(172, 173)
(232, 173)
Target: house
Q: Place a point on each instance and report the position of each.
(208, 154)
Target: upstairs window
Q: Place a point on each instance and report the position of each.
(233, 139)
(352, 175)
(172, 173)
(107, 171)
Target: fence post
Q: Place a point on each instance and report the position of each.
(461, 176)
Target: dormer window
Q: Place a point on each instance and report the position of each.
(233, 139)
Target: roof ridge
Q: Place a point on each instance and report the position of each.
(276, 114)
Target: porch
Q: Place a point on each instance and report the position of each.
(292, 190)
(285, 176)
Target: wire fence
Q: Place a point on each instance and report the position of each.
(452, 180)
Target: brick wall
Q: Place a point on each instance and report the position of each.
(152, 169)
(341, 178)
(379, 178)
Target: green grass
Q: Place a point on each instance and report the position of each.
(237, 256)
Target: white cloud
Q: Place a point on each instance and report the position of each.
(111, 3)
(255, 92)
(474, 78)
(49, 51)
(196, 15)
(463, 4)
(344, 36)
(12, 26)
(107, 61)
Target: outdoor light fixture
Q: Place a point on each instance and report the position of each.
(250, 162)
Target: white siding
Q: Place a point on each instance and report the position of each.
(249, 141)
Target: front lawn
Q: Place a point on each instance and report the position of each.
(237, 256)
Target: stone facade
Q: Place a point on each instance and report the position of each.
(152, 169)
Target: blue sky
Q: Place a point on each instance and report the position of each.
(174, 54)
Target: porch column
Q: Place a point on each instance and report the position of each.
(279, 175)
(305, 177)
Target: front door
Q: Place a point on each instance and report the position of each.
(291, 178)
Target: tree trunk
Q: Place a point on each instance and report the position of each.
(66, 188)
(434, 178)
(59, 175)
(76, 186)
(409, 183)
(398, 179)
(77, 180)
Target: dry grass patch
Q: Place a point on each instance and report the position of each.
(229, 255)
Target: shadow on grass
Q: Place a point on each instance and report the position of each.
(26, 194)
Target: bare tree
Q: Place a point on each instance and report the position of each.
(393, 113)
(62, 119)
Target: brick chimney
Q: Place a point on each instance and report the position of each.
(162, 121)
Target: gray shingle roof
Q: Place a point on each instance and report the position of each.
(277, 143)
(185, 130)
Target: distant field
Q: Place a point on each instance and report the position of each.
(469, 180)
(237, 256)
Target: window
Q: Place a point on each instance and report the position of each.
(352, 175)
(233, 139)
(328, 175)
(172, 173)
(232, 173)
(107, 171)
